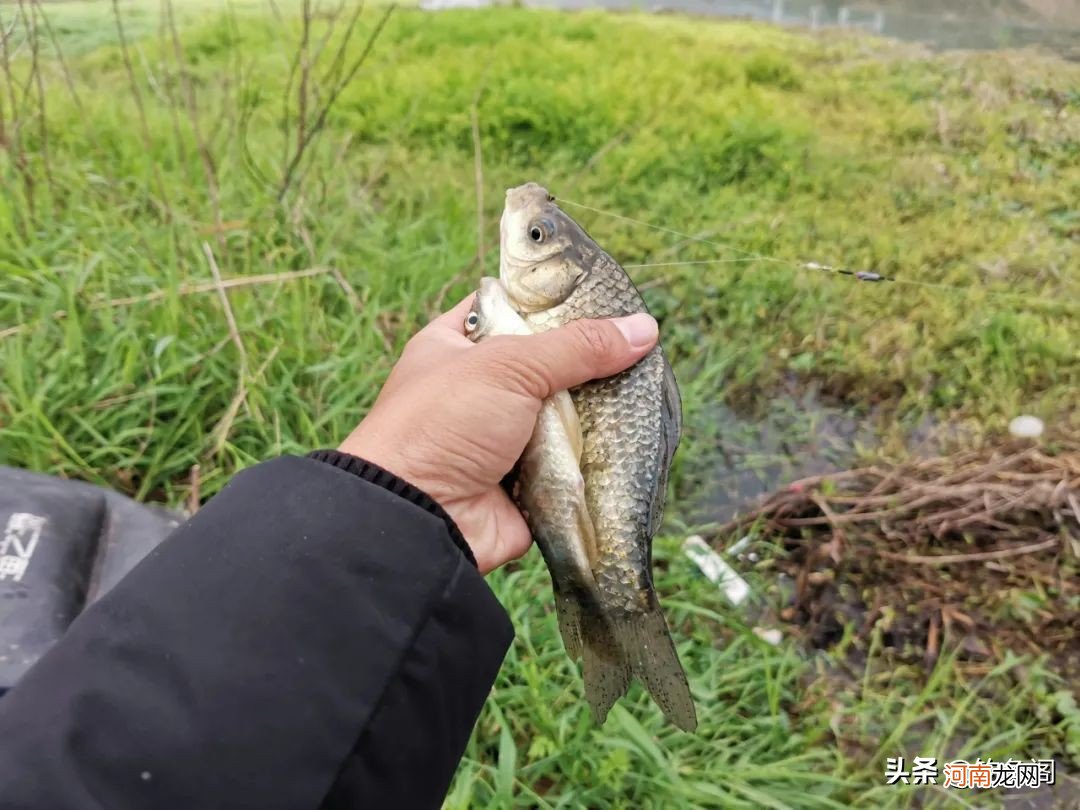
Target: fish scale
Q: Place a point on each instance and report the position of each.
(620, 424)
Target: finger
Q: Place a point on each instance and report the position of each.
(580, 351)
(511, 532)
(454, 318)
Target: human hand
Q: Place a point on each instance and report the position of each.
(454, 416)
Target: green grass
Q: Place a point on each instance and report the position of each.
(939, 170)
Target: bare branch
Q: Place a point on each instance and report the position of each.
(15, 144)
(207, 159)
(320, 120)
(39, 82)
(172, 105)
(305, 73)
(139, 106)
(60, 57)
(194, 490)
(224, 427)
(980, 556)
(478, 175)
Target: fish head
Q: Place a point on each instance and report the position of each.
(540, 262)
(483, 315)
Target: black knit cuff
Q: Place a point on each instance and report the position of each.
(375, 474)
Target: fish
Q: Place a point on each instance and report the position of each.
(549, 487)
(553, 273)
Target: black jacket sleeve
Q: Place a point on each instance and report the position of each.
(317, 636)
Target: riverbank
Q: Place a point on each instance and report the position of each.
(752, 150)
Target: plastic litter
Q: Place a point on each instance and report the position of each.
(716, 569)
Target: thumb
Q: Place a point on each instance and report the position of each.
(586, 350)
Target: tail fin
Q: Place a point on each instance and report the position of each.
(607, 673)
(623, 645)
(568, 610)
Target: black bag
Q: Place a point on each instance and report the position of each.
(62, 545)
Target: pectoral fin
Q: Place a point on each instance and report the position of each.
(568, 417)
(564, 407)
(586, 530)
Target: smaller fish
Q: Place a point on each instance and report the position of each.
(551, 491)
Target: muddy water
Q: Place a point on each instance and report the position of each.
(751, 455)
(743, 456)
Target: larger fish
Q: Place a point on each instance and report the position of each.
(550, 490)
(555, 273)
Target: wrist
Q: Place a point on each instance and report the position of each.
(370, 446)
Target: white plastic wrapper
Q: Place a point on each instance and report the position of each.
(716, 569)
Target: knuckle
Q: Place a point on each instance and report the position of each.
(505, 364)
(594, 338)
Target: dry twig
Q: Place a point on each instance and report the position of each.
(1009, 515)
(183, 290)
(194, 494)
(994, 496)
(981, 556)
(234, 331)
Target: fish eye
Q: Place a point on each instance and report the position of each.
(541, 230)
(472, 321)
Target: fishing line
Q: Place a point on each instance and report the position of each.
(701, 239)
(751, 256)
(697, 261)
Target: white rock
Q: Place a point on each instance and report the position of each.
(769, 634)
(1026, 427)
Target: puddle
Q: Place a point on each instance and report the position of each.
(792, 439)
(942, 29)
(796, 434)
